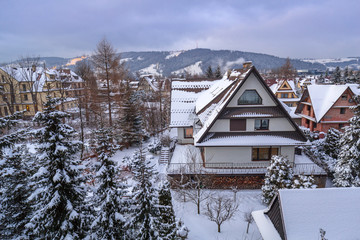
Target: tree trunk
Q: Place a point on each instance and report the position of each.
(219, 227)
(247, 229)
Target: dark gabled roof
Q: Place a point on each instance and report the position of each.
(270, 112)
(230, 93)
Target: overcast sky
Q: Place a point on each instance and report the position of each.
(285, 28)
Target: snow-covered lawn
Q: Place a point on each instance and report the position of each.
(202, 228)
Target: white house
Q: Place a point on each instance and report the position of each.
(236, 123)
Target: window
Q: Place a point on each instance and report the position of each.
(0, 113)
(342, 110)
(237, 124)
(188, 133)
(6, 111)
(308, 108)
(341, 125)
(26, 97)
(17, 108)
(261, 124)
(284, 95)
(24, 87)
(344, 97)
(250, 97)
(261, 154)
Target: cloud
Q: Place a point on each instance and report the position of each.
(307, 28)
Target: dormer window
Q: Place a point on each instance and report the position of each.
(250, 97)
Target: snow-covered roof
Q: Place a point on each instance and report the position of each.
(276, 87)
(323, 98)
(215, 90)
(335, 210)
(40, 75)
(183, 98)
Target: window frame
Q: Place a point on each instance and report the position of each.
(186, 135)
(265, 127)
(284, 95)
(342, 110)
(239, 102)
(269, 153)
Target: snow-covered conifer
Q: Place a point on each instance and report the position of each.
(279, 175)
(110, 194)
(57, 192)
(331, 142)
(8, 137)
(347, 168)
(14, 207)
(130, 123)
(168, 227)
(144, 221)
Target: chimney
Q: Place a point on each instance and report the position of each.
(247, 65)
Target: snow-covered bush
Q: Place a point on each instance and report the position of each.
(155, 146)
(279, 175)
(301, 182)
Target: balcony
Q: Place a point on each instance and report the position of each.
(238, 168)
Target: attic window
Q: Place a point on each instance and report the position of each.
(344, 97)
(250, 97)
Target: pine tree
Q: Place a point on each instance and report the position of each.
(130, 123)
(109, 196)
(337, 75)
(7, 137)
(14, 208)
(279, 175)
(331, 142)
(57, 194)
(218, 72)
(347, 167)
(209, 72)
(144, 222)
(168, 227)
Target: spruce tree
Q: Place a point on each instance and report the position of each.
(337, 75)
(347, 167)
(130, 123)
(57, 192)
(218, 72)
(144, 221)
(279, 175)
(14, 208)
(8, 137)
(209, 72)
(168, 227)
(331, 142)
(110, 194)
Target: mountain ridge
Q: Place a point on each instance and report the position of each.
(196, 61)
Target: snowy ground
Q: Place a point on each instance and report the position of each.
(202, 228)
